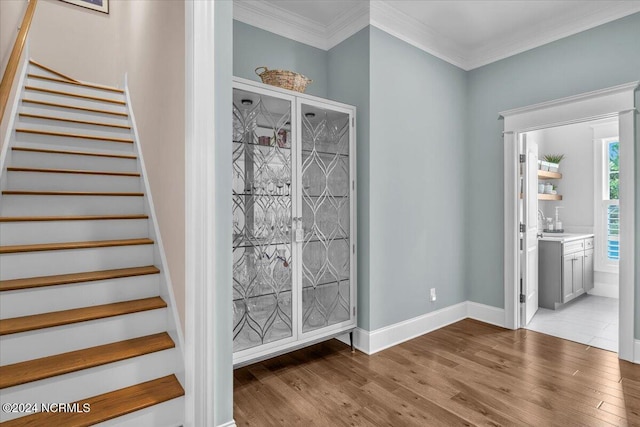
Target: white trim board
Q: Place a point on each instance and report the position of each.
(370, 342)
(617, 101)
(200, 285)
(383, 14)
(637, 352)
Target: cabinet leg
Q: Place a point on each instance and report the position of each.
(353, 350)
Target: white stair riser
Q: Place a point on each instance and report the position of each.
(167, 414)
(19, 205)
(49, 263)
(55, 181)
(33, 159)
(72, 113)
(30, 345)
(26, 302)
(70, 127)
(77, 89)
(65, 142)
(94, 381)
(74, 101)
(45, 181)
(34, 232)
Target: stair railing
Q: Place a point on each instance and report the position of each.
(14, 59)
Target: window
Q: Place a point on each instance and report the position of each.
(612, 164)
(607, 205)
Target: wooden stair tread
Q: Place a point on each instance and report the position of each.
(69, 193)
(75, 95)
(74, 153)
(66, 279)
(83, 122)
(107, 406)
(75, 135)
(76, 315)
(77, 83)
(12, 249)
(64, 363)
(57, 73)
(73, 107)
(70, 218)
(73, 171)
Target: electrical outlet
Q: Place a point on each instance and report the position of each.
(432, 294)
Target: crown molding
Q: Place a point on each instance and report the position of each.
(408, 29)
(275, 19)
(348, 24)
(385, 16)
(554, 30)
(280, 21)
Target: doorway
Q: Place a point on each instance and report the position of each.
(615, 102)
(572, 211)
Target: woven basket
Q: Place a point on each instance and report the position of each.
(284, 79)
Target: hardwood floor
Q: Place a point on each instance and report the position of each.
(468, 373)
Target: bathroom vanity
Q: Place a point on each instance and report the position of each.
(565, 268)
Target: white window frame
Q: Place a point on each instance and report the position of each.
(601, 203)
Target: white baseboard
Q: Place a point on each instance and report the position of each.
(360, 340)
(605, 290)
(485, 313)
(231, 423)
(389, 336)
(371, 342)
(636, 352)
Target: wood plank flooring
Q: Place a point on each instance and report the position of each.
(466, 374)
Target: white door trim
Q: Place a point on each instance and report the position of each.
(615, 101)
(199, 214)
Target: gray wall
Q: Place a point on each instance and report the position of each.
(417, 181)
(253, 47)
(431, 177)
(223, 362)
(604, 56)
(348, 65)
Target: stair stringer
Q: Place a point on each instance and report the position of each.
(166, 286)
(5, 155)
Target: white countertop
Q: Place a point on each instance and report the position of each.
(564, 237)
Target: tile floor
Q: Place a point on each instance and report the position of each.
(588, 320)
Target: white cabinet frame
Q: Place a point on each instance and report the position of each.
(299, 338)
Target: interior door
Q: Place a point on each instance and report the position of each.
(530, 235)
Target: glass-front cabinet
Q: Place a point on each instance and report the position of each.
(293, 220)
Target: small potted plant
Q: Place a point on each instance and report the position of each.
(553, 161)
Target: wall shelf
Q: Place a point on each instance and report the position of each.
(549, 196)
(549, 175)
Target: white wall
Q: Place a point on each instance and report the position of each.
(152, 39)
(82, 43)
(577, 183)
(11, 13)
(145, 39)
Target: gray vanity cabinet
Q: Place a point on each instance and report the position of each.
(565, 270)
(588, 270)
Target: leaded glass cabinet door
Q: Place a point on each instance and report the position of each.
(263, 292)
(326, 189)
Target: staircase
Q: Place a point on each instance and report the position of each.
(86, 311)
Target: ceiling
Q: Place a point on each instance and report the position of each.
(465, 33)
